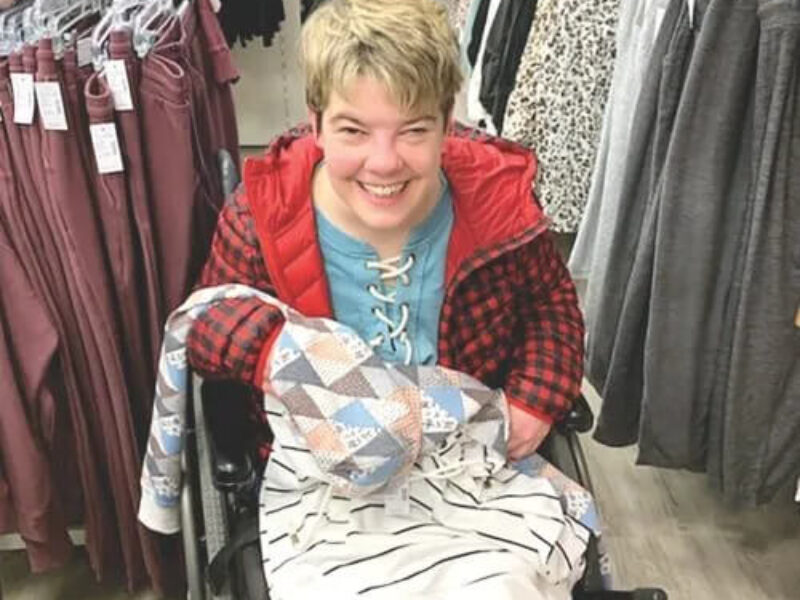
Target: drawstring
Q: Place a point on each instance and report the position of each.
(390, 269)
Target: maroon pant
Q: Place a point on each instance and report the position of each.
(71, 208)
(45, 262)
(148, 553)
(30, 419)
(178, 195)
(116, 218)
(152, 303)
(188, 117)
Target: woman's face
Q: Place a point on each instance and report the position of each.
(382, 162)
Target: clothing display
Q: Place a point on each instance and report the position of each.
(558, 98)
(693, 285)
(244, 20)
(111, 185)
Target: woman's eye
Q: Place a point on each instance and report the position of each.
(416, 131)
(352, 131)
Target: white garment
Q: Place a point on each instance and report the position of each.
(455, 515)
(458, 540)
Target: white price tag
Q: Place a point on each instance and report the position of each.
(397, 499)
(117, 77)
(24, 97)
(692, 4)
(84, 50)
(51, 105)
(106, 148)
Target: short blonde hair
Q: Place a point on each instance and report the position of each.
(407, 45)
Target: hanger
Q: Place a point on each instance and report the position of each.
(150, 23)
(120, 15)
(61, 19)
(11, 27)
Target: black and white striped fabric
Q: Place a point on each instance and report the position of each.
(460, 524)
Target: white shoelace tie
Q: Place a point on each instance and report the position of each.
(390, 268)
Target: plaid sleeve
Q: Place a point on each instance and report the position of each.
(547, 368)
(230, 338)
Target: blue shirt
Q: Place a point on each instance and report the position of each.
(349, 278)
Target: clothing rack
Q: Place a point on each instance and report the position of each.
(117, 150)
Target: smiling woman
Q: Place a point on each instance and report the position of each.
(424, 240)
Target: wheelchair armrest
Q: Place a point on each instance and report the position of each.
(225, 408)
(579, 419)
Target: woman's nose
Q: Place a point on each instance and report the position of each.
(383, 158)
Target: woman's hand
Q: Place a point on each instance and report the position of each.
(527, 432)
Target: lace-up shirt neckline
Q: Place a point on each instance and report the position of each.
(394, 304)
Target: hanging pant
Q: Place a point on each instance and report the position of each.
(151, 304)
(187, 117)
(167, 134)
(52, 270)
(32, 424)
(756, 447)
(618, 420)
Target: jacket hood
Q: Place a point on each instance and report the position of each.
(491, 181)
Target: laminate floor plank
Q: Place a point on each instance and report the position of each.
(669, 529)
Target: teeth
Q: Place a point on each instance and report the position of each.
(383, 190)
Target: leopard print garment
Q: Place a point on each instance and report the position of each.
(559, 96)
(457, 9)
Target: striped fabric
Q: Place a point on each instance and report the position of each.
(453, 522)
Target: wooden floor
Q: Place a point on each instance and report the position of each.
(667, 528)
(663, 528)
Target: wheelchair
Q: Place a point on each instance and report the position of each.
(219, 499)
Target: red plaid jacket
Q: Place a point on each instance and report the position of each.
(510, 316)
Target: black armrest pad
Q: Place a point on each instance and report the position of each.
(580, 418)
(225, 405)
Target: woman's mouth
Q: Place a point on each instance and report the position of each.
(383, 194)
